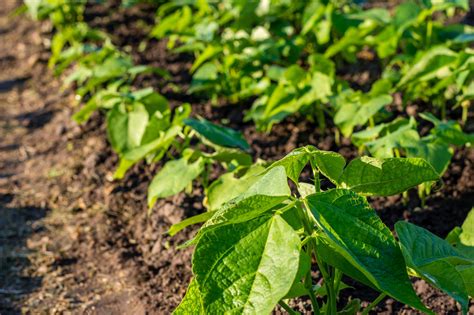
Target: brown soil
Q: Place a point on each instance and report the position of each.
(72, 240)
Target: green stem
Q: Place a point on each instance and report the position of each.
(287, 308)
(337, 279)
(465, 111)
(374, 303)
(337, 137)
(287, 207)
(317, 180)
(314, 302)
(328, 283)
(397, 152)
(429, 31)
(308, 282)
(371, 122)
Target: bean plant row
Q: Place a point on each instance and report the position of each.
(261, 239)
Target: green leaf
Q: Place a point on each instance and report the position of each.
(375, 177)
(268, 191)
(463, 237)
(174, 177)
(192, 301)
(216, 134)
(330, 164)
(246, 267)
(435, 260)
(437, 153)
(228, 187)
(355, 231)
(207, 54)
(398, 134)
(428, 65)
(448, 131)
(357, 113)
(294, 162)
(137, 123)
(117, 129)
(202, 217)
(467, 234)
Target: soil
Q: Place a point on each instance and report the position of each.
(72, 240)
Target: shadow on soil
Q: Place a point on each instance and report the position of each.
(16, 225)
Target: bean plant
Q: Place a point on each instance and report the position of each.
(261, 248)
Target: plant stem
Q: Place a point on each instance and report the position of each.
(337, 137)
(371, 122)
(374, 303)
(328, 283)
(337, 279)
(314, 302)
(287, 308)
(465, 111)
(308, 282)
(317, 181)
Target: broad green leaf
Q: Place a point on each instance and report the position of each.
(435, 260)
(294, 162)
(246, 267)
(375, 177)
(174, 177)
(463, 237)
(216, 134)
(400, 135)
(428, 65)
(134, 155)
(467, 234)
(228, 187)
(137, 123)
(268, 191)
(117, 129)
(204, 76)
(330, 164)
(207, 54)
(192, 301)
(448, 131)
(437, 153)
(353, 114)
(355, 231)
(305, 189)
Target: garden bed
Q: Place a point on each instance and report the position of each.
(72, 239)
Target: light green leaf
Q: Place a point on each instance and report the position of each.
(467, 234)
(352, 114)
(228, 187)
(199, 218)
(117, 129)
(130, 157)
(437, 153)
(435, 260)
(428, 65)
(137, 123)
(192, 301)
(330, 164)
(246, 267)
(375, 177)
(355, 231)
(268, 191)
(174, 177)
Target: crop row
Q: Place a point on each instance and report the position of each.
(260, 238)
